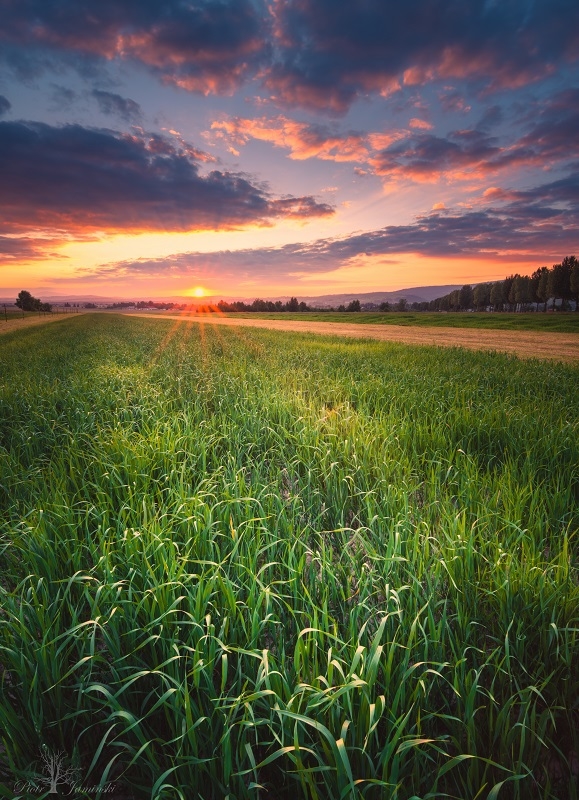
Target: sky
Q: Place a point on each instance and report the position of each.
(245, 148)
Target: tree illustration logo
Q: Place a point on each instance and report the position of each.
(55, 771)
(54, 776)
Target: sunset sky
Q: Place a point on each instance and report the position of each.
(243, 148)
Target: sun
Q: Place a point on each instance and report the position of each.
(198, 291)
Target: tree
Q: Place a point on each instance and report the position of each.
(465, 297)
(26, 302)
(539, 275)
(511, 291)
(481, 295)
(443, 303)
(559, 283)
(521, 291)
(292, 304)
(354, 306)
(574, 282)
(496, 296)
(543, 286)
(401, 305)
(385, 306)
(507, 285)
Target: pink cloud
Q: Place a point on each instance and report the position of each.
(421, 124)
(117, 182)
(301, 139)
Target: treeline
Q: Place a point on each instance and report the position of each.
(291, 305)
(557, 286)
(262, 306)
(258, 305)
(143, 304)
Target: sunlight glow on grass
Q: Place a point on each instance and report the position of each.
(325, 567)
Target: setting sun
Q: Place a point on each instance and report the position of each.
(198, 291)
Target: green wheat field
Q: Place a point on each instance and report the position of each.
(238, 563)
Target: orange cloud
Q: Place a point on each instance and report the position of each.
(301, 139)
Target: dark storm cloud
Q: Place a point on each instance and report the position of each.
(317, 53)
(203, 45)
(115, 105)
(513, 225)
(5, 105)
(79, 179)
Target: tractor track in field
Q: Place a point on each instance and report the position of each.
(524, 344)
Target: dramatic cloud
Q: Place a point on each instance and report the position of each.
(301, 139)
(554, 126)
(16, 248)
(474, 97)
(518, 226)
(202, 45)
(314, 53)
(416, 154)
(550, 140)
(423, 157)
(330, 51)
(73, 178)
(115, 105)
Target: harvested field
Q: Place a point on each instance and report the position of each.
(524, 344)
(16, 323)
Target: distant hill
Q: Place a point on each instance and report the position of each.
(419, 294)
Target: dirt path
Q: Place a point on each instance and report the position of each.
(525, 344)
(16, 323)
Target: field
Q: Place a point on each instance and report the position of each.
(12, 319)
(243, 563)
(567, 322)
(525, 344)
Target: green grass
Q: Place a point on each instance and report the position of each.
(248, 564)
(15, 313)
(12, 313)
(567, 322)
